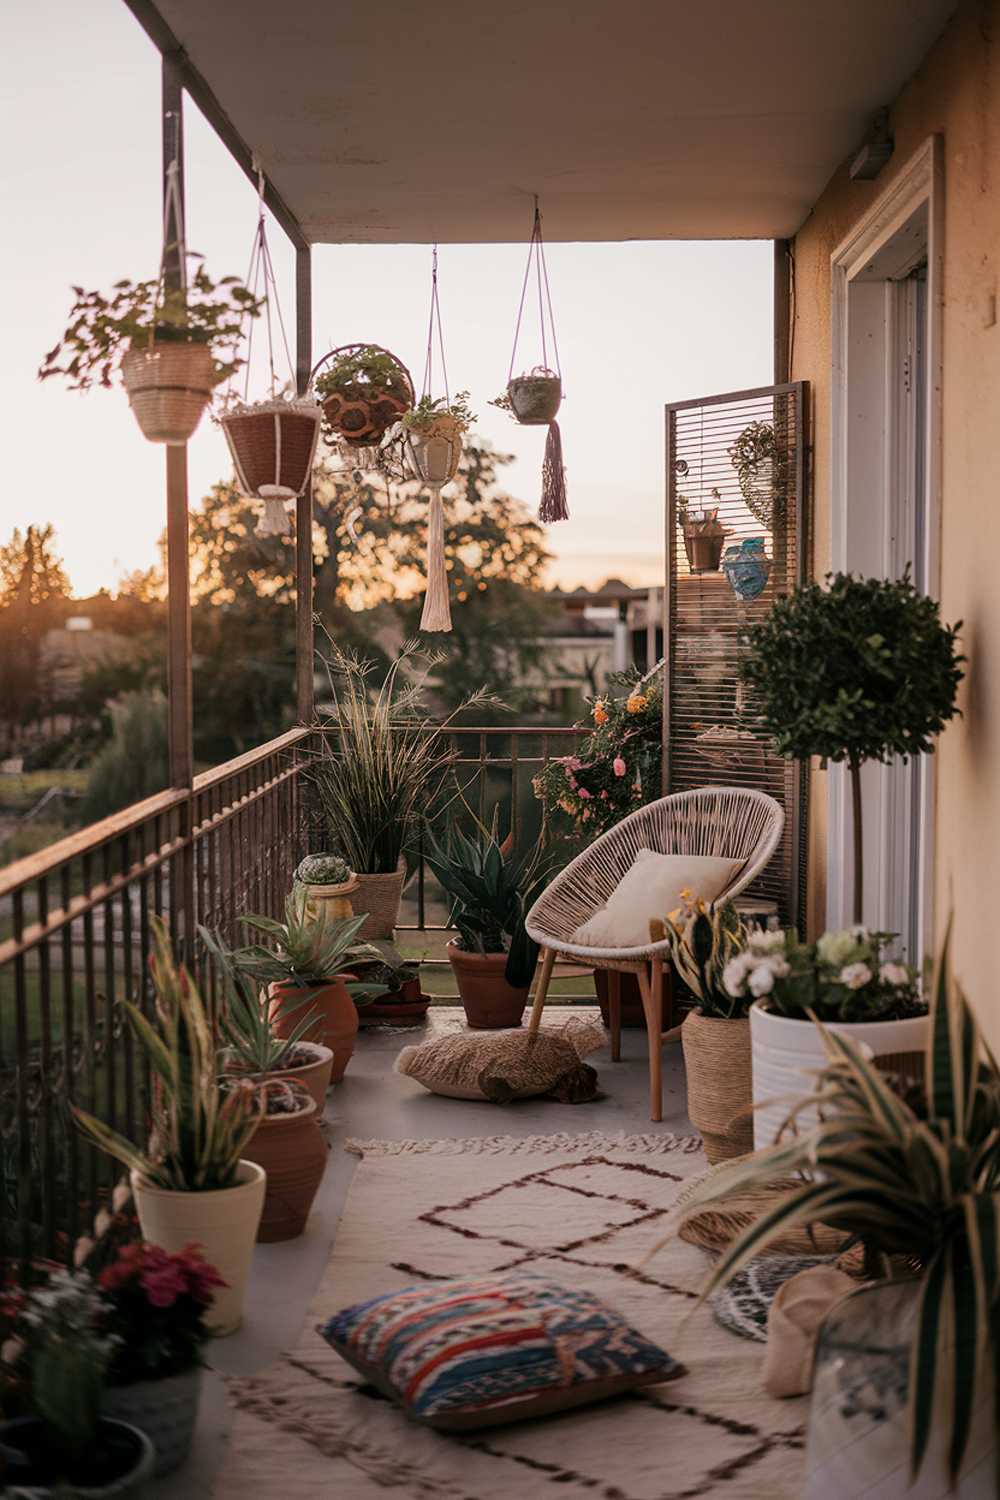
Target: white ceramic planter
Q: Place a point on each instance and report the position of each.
(788, 1054)
(223, 1222)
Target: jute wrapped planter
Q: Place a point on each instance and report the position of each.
(717, 1061)
(379, 896)
(168, 386)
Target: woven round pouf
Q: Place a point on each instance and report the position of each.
(719, 1083)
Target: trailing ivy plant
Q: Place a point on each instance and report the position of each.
(102, 327)
(852, 670)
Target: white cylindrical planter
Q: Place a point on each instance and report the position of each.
(788, 1054)
(224, 1222)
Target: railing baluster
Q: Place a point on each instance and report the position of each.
(43, 1093)
(128, 991)
(22, 1085)
(71, 1205)
(90, 1027)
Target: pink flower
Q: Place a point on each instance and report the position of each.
(619, 766)
(164, 1285)
(584, 793)
(604, 796)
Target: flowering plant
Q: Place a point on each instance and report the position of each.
(617, 766)
(156, 1305)
(847, 976)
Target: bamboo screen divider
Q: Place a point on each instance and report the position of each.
(708, 718)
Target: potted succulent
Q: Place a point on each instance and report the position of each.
(192, 1183)
(849, 981)
(401, 1002)
(493, 958)
(288, 1144)
(314, 953)
(856, 669)
(915, 1179)
(380, 772)
(251, 1047)
(170, 347)
(716, 1034)
(155, 1304)
(330, 880)
(364, 390)
(704, 535)
(66, 1447)
(432, 435)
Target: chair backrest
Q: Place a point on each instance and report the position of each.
(727, 821)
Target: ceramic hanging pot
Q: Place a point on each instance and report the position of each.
(747, 568)
(535, 399)
(435, 450)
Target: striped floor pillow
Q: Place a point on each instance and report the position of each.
(480, 1353)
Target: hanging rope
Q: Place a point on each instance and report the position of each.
(436, 613)
(173, 213)
(435, 320)
(553, 505)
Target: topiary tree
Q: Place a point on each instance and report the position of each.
(852, 670)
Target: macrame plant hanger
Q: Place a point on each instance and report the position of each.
(436, 614)
(553, 504)
(276, 439)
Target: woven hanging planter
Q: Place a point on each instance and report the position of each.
(360, 403)
(168, 385)
(273, 444)
(435, 451)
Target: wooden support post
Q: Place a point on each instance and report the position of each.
(782, 311)
(304, 644)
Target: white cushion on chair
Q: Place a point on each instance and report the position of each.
(650, 890)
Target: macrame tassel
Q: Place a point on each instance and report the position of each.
(274, 521)
(553, 505)
(436, 615)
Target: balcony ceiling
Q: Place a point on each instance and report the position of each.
(404, 122)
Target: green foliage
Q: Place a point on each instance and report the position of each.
(101, 328)
(133, 764)
(381, 769)
(323, 869)
(703, 940)
(359, 372)
(860, 669)
(34, 591)
(199, 1134)
(245, 1021)
(427, 410)
(847, 976)
(67, 1355)
(309, 946)
(491, 893)
(617, 767)
(919, 1179)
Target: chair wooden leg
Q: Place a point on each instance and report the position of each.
(672, 1028)
(651, 986)
(615, 1013)
(542, 989)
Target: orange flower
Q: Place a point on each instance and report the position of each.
(636, 703)
(600, 714)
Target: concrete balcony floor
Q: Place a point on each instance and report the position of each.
(373, 1102)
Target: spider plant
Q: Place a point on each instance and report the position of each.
(381, 768)
(245, 1023)
(199, 1132)
(916, 1178)
(309, 947)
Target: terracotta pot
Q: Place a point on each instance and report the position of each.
(314, 1076)
(632, 1012)
(292, 1152)
(169, 385)
(337, 899)
(401, 1012)
(379, 896)
(335, 1027)
(490, 1002)
(704, 549)
(719, 1083)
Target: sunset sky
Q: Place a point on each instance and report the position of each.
(638, 323)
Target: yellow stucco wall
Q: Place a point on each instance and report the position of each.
(955, 93)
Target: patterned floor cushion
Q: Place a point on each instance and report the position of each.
(465, 1354)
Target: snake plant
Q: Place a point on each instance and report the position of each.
(917, 1177)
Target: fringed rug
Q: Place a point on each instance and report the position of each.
(584, 1209)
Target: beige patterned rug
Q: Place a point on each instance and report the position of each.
(584, 1209)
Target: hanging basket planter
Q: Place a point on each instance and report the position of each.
(168, 385)
(364, 391)
(273, 444)
(435, 450)
(535, 398)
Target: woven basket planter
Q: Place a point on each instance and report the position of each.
(435, 451)
(168, 386)
(379, 896)
(535, 399)
(273, 445)
(719, 1083)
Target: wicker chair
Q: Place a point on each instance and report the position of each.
(730, 822)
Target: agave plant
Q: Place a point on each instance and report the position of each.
(246, 1024)
(491, 893)
(199, 1132)
(309, 946)
(919, 1179)
(703, 938)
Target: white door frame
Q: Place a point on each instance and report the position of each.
(901, 230)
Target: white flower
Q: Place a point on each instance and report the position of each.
(761, 981)
(735, 973)
(121, 1196)
(767, 942)
(856, 976)
(779, 967)
(894, 974)
(11, 1350)
(837, 948)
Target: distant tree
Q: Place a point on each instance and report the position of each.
(133, 764)
(33, 591)
(31, 571)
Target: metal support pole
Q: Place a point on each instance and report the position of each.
(782, 297)
(303, 506)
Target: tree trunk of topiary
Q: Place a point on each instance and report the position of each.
(859, 867)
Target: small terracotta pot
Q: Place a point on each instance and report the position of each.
(335, 899)
(292, 1152)
(401, 1012)
(314, 1076)
(490, 1002)
(719, 1083)
(335, 1027)
(704, 548)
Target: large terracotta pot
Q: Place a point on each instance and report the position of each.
(223, 1222)
(490, 1002)
(719, 1083)
(335, 1027)
(379, 896)
(313, 1076)
(291, 1150)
